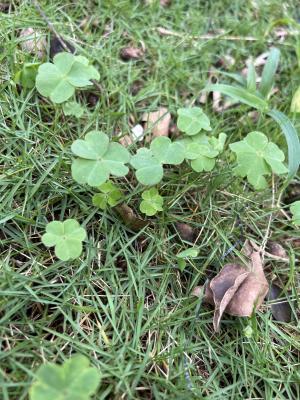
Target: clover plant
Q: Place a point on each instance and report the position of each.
(149, 162)
(98, 158)
(73, 108)
(152, 202)
(203, 150)
(247, 93)
(67, 238)
(184, 255)
(73, 380)
(295, 210)
(192, 120)
(256, 157)
(26, 75)
(58, 80)
(110, 196)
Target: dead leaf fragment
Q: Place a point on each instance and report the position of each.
(33, 42)
(276, 250)
(130, 218)
(131, 53)
(186, 232)
(237, 290)
(158, 122)
(281, 310)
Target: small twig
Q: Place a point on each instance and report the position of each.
(50, 25)
(208, 36)
(267, 234)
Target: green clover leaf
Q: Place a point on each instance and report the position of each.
(152, 202)
(67, 238)
(149, 162)
(98, 159)
(27, 75)
(167, 152)
(59, 80)
(149, 170)
(73, 380)
(111, 195)
(192, 120)
(184, 255)
(295, 210)
(202, 150)
(256, 157)
(73, 108)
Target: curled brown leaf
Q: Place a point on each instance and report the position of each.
(237, 290)
(158, 122)
(131, 53)
(129, 217)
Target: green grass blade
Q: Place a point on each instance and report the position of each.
(251, 78)
(239, 94)
(268, 74)
(292, 140)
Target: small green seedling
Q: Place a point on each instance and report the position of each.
(73, 380)
(203, 150)
(110, 196)
(27, 75)
(184, 255)
(256, 157)
(149, 162)
(59, 80)
(192, 120)
(295, 210)
(73, 108)
(98, 159)
(152, 202)
(67, 238)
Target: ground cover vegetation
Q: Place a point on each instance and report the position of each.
(149, 166)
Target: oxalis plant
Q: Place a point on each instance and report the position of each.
(98, 158)
(73, 380)
(59, 80)
(249, 94)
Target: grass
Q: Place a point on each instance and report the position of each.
(124, 304)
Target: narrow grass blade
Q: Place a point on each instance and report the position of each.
(237, 77)
(292, 140)
(268, 74)
(239, 94)
(251, 78)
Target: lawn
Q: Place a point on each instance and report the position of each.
(124, 303)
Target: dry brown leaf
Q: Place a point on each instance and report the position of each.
(186, 232)
(276, 250)
(237, 290)
(131, 53)
(130, 218)
(158, 122)
(33, 42)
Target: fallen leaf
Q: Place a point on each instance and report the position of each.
(130, 218)
(131, 53)
(277, 250)
(33, 42)
(186, 232)
(237, 290)
(136, 86)
(59, 45)
(125, 140)
(158, 122)
(281, 310)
